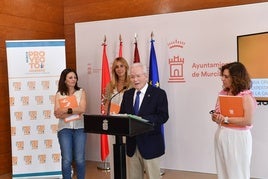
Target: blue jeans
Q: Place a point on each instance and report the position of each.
(72, 144)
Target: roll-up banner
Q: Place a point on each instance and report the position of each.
(34, 67)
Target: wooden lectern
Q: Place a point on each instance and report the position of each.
(118, 125)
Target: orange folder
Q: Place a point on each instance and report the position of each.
(231, 106)
(115, 108)
(69, 102)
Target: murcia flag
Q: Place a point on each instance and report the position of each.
(136, 53)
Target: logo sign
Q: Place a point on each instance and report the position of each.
(176, 62)
(105, 125)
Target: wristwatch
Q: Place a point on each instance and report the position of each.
(226, 120)
(70, 111)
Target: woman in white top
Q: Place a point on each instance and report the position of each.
(70, 104)
(119, 83)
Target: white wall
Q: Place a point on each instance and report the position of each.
(209, 40)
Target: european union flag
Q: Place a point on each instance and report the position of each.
(153, 72)
(153, 69)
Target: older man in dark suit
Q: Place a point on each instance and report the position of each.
(144, 150)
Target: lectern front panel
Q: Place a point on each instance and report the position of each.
(115, 125)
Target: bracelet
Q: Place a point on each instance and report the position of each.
(226, 120)
(70, 111)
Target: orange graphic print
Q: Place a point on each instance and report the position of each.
(69, 102)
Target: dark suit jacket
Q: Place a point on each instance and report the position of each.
(154, 108)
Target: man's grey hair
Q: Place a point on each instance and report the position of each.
(139, 64)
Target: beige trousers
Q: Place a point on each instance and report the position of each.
(139, 168)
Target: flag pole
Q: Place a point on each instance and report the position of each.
(120, 54)
(103, 165)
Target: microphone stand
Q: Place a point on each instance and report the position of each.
(110, 100)
(106, 165)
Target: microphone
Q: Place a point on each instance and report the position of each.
(110, 100)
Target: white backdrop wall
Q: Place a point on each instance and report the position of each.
(199, 42)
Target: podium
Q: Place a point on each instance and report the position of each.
(118, 125)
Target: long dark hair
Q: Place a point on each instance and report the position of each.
(62, 88)
(240, 77)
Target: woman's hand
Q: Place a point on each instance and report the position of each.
(59, 113)
(217, 117)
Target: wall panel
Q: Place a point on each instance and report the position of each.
(92, 10)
